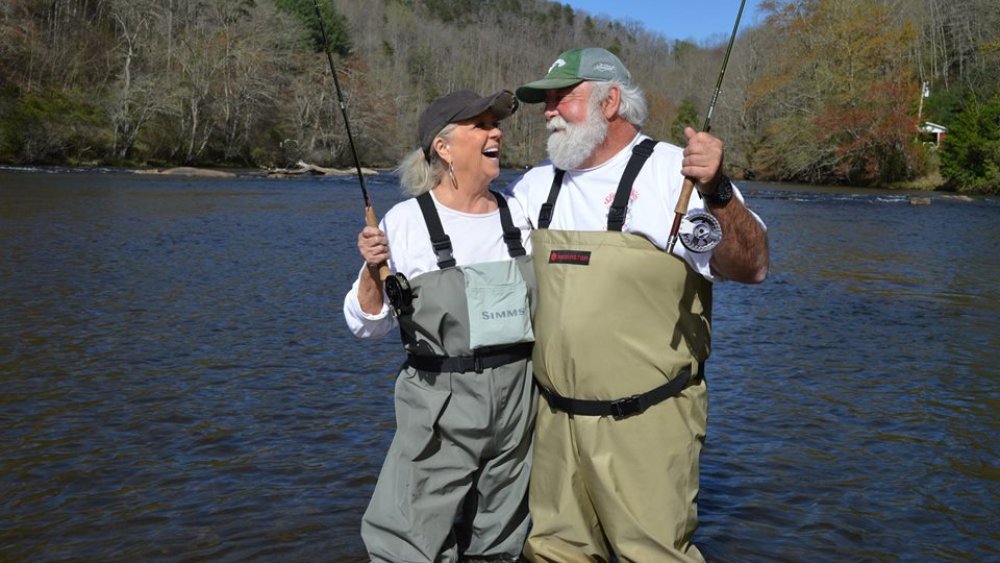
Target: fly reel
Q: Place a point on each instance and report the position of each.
(703, 232)
(397, 289)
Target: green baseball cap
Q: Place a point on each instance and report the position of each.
(573, 67)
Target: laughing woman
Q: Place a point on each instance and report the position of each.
(455, 479)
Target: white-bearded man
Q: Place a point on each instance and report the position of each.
(622, 326)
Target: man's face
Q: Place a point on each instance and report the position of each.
(575, 123)
(569, 103)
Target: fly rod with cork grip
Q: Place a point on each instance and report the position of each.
(397, 288)
(706, 232)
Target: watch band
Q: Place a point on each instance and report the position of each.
(723, 192)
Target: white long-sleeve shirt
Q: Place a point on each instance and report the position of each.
(475, 238)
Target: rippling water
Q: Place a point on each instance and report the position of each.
(177, 382)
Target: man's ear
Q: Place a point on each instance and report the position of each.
(612, 103)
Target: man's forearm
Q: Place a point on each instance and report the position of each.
(742, 255)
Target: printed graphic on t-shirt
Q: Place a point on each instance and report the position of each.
(632, 197)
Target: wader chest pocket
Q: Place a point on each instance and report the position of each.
(497, 298)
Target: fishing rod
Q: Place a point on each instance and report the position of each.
(707, 230)
(370, 219)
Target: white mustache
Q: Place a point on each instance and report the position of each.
(556, 124)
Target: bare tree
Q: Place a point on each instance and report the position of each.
(134, 99)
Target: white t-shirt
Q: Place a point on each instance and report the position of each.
(587, 195)
(475, 238)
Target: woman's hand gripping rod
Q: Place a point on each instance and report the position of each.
(396, 287)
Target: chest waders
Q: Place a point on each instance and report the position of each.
(622, 329)
(455, 478)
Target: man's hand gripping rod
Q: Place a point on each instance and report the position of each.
(685, 197)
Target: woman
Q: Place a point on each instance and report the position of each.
(455, 478)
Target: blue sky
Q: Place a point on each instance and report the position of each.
(696, 20)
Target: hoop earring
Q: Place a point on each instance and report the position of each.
(451, 174)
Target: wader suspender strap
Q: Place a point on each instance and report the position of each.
(511, 234)
(439, 240)
(640, 153)
(442, 242)
(442, 247)
(616, 215)
(545, 215)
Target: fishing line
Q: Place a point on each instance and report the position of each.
(707, 232)
(397, 288)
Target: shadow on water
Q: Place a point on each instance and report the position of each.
(179, 384)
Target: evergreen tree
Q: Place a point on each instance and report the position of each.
(337, 34)
(970, 156)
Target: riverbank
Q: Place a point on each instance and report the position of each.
(928, 187)
(301, 169)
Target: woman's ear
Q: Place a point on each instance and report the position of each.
(442, 149)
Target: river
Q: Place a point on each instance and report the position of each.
(178, 383)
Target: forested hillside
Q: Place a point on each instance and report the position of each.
(823, 91)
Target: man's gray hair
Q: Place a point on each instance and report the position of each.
(633, 101)
(416, 174)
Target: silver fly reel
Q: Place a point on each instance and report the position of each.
(700, 231)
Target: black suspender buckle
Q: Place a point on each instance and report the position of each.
(545, 216)
(512, 237)
(442, 249)
(626, 407)
(617, 214)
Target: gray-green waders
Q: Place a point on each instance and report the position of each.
(617, 318)
(455, 478)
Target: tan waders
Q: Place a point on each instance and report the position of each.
(622, 329)
(455, 478)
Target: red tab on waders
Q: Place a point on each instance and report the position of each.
(578, 257)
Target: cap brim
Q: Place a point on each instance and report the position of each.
(534, 92)
(443, 111)
(501, 105)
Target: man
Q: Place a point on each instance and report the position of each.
(622, 327)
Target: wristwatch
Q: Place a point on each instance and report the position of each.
(723, 192)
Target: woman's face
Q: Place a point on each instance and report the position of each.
(473, 147)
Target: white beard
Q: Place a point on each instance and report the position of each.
(571, 143)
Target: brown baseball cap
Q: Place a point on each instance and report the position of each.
(458, 106)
